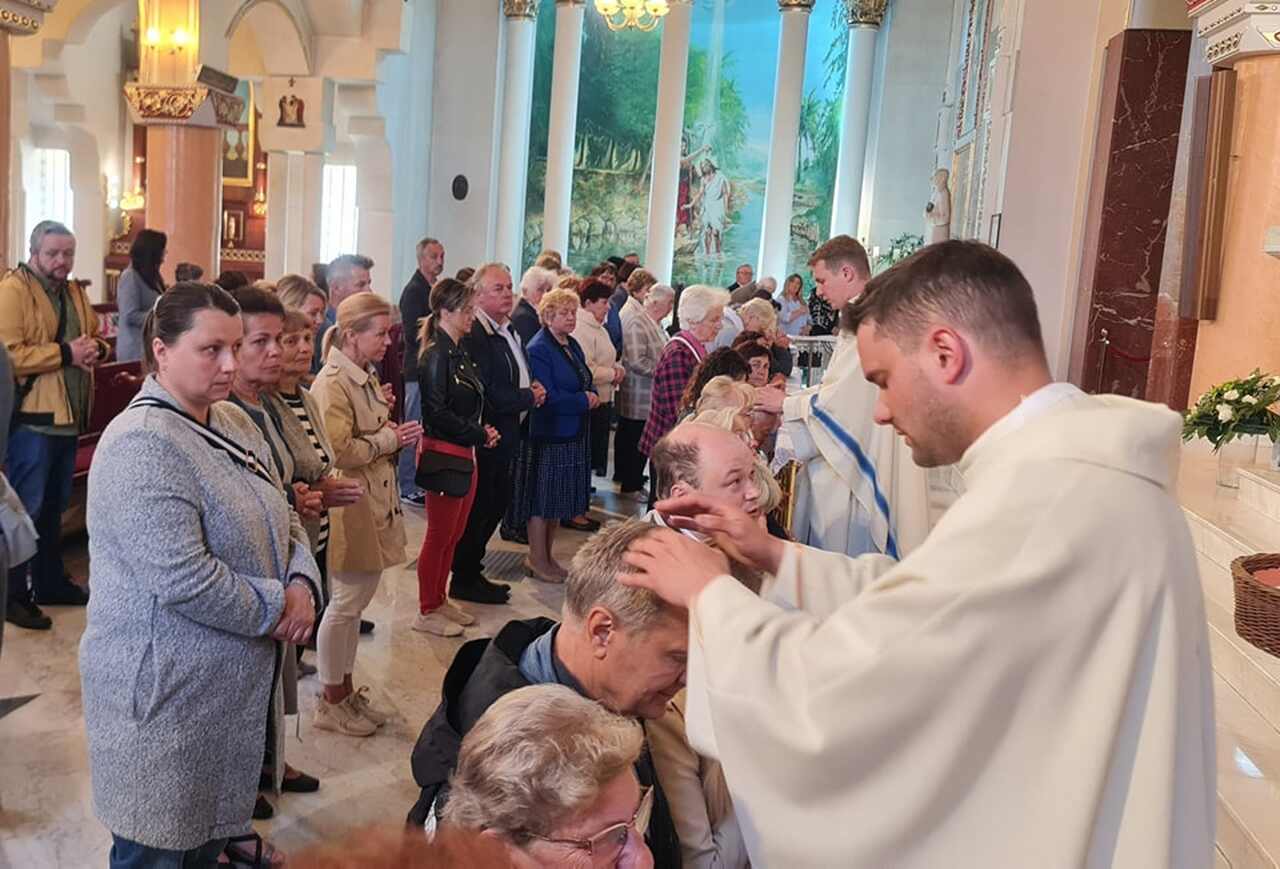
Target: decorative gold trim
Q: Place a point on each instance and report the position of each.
(180, 102)
(244, 255)
(866, 13)
(805, 5)
(16, 23)
(520, 8)
(227, 108)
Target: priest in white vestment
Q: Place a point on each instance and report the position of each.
(1031, 687)
(859, 491)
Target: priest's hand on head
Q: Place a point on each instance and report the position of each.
(673, 566)
(735, 532)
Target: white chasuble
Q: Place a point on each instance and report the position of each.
(860, 491)
(1029, 688)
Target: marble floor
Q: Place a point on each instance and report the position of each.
(46, 816)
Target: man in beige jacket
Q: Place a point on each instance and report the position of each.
(1029, 687)
(53, 339)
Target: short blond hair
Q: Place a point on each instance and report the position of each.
(295, 320)
(761, 313)
(536, 758)
(355, 314)
(723, 391)
(294, 290)
(556, 301)
(593, 578)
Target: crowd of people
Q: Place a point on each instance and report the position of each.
(714, 694)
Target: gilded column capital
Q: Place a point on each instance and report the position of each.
(195, 105)
(866, 13)
(790, 5)
(24, 17)
(520, 8)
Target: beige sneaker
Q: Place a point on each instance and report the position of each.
(456, 614)
(342, 718)
(434, 623)
(360, 701)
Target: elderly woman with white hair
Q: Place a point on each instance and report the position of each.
(759, 315)
(701, 312)
(643, 340)
(534, 284)
(551, 775)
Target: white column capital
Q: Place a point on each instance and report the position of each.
(866, 13)
(1236, 29)
(795, 5)
(520, 8)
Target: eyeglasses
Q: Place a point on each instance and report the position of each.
(609, 842)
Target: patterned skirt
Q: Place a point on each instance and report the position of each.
(553, 480)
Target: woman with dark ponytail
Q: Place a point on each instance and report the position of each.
(140, 285)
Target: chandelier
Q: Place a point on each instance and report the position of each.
(643, 15)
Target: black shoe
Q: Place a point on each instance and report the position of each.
(68, 594)
(27, 615)
(299, 784)
(521, 537)
(590, 526)
(366, 627)
(262, 809)
(480, 590)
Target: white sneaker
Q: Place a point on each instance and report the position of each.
(342, 718)
(434, 623)
(456, 614)
(360, 700)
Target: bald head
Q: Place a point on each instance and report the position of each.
(703, 459)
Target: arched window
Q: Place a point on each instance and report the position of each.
(48, 183)
(339, 214)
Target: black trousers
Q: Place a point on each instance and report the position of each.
(628, 462)
(601, 418)
(493, 494)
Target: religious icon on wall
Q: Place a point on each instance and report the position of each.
(238, 142)
(292, 111)
(232, 226)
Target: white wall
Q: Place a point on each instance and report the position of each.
(463, 135)
(915, 45)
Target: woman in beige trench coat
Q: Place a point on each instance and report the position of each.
(366, 537)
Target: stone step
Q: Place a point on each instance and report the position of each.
(1248, 783)
(1260, 492)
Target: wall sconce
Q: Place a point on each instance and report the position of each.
(176, 40)
(135, 200)
(259, 206)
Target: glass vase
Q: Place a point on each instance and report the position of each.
(1241, 452)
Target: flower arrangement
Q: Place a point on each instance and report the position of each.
(1234, 409)
(899, 249)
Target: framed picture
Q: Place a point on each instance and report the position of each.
(993, 236)
(232, 226)
(238, 142)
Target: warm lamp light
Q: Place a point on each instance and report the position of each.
(152, 36)
(181, 38)
(643, 15)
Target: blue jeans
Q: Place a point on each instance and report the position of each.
(126, 854)
(40, 468)
(408, 467)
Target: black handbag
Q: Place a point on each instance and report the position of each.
(444, 474)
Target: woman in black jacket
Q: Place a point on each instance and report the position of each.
(452, 409)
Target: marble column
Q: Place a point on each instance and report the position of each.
(517, 106)
(664, 188)
(563, 125)
(1128, 209)
(183, 123)
(864, 18)
(780, 183)
(295, 184)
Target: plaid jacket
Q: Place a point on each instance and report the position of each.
(642, 343)
(674, 370)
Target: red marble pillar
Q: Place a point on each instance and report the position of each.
(1128, 210)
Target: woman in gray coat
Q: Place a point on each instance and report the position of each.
(140, 285)
(200, 572)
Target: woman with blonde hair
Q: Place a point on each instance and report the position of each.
(299, 292)
(366, 537)
(759, 315)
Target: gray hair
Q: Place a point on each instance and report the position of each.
(342, 267)
(423, 245)
(593, 578)
(44, 228)
(536, 758)
(480, 271)
(760, 311)
(697, 301)
(676, 459)
(660, 293)
(537, 280)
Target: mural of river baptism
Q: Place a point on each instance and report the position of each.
(725, 148)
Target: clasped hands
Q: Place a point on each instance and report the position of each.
(299, 615)
(539, 393)
(310, 502)
(84, 352)
(677, 568)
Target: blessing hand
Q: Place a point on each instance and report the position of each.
(672, 565)
(735, 532)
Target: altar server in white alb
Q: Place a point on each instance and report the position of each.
(860, 492)
(1031, 686)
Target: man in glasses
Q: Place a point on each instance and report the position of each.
(618, 646)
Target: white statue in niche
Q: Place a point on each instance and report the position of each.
(937, 214)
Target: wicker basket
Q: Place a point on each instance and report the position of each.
(1257, 605)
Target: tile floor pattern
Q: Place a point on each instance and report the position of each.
(46, 816)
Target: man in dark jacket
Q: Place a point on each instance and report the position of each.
(414, 306)
(616, 646)
(509, 394)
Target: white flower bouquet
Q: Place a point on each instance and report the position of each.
(1235, 409)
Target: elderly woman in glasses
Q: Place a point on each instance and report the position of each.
(551, 775)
